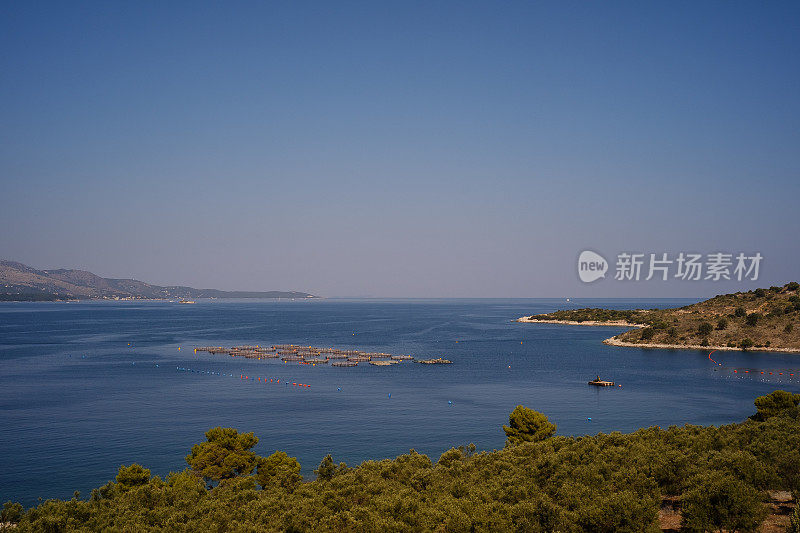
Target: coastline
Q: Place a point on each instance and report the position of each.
(613, 341)
(613, 323)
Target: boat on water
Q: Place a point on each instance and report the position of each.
(187, 302)
(597, 382)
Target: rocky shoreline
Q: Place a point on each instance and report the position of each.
(613, 341)
(614, 323)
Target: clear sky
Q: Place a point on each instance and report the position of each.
(398, 148)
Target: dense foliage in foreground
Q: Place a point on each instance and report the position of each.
(608, 482)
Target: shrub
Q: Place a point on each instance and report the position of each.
(132, 476)
(746, 343)
(776, 289)
(793, 286)
(776, 403)
(327, 468)
(740, 312)
(279, 470)
(760, 293)
(789, 327)
(794, 521)
(722, 323)
(10, 514)
(225, 454)
(722, 502)
(527, 425)
(704, 328)
(752, 319)
(647, 334)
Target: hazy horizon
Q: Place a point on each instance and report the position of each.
(391, 150)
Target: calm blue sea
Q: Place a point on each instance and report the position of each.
(85, 387)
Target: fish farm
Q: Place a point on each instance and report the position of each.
(311, 355)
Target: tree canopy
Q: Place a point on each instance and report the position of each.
(132, 476)
(527, 425)
(779, 402)
(602, 483)
(225, 454)
(279, 469)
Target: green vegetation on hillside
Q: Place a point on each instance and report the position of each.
(594, 314)
(603, 483)
(763, 318)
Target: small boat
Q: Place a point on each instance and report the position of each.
(597, 382)
(187, 302)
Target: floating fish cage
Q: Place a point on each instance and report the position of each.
(210, 349)
(324, 355)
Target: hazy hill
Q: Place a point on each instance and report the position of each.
(21, 282)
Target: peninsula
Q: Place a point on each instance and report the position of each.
(20, 282)
(759, 320)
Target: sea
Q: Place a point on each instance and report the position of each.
(88, 386)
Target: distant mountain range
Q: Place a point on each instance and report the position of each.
(20, 282)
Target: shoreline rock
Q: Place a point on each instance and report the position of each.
(612, 323)
(613, 341)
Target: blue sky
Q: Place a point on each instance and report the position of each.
(398, 149)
